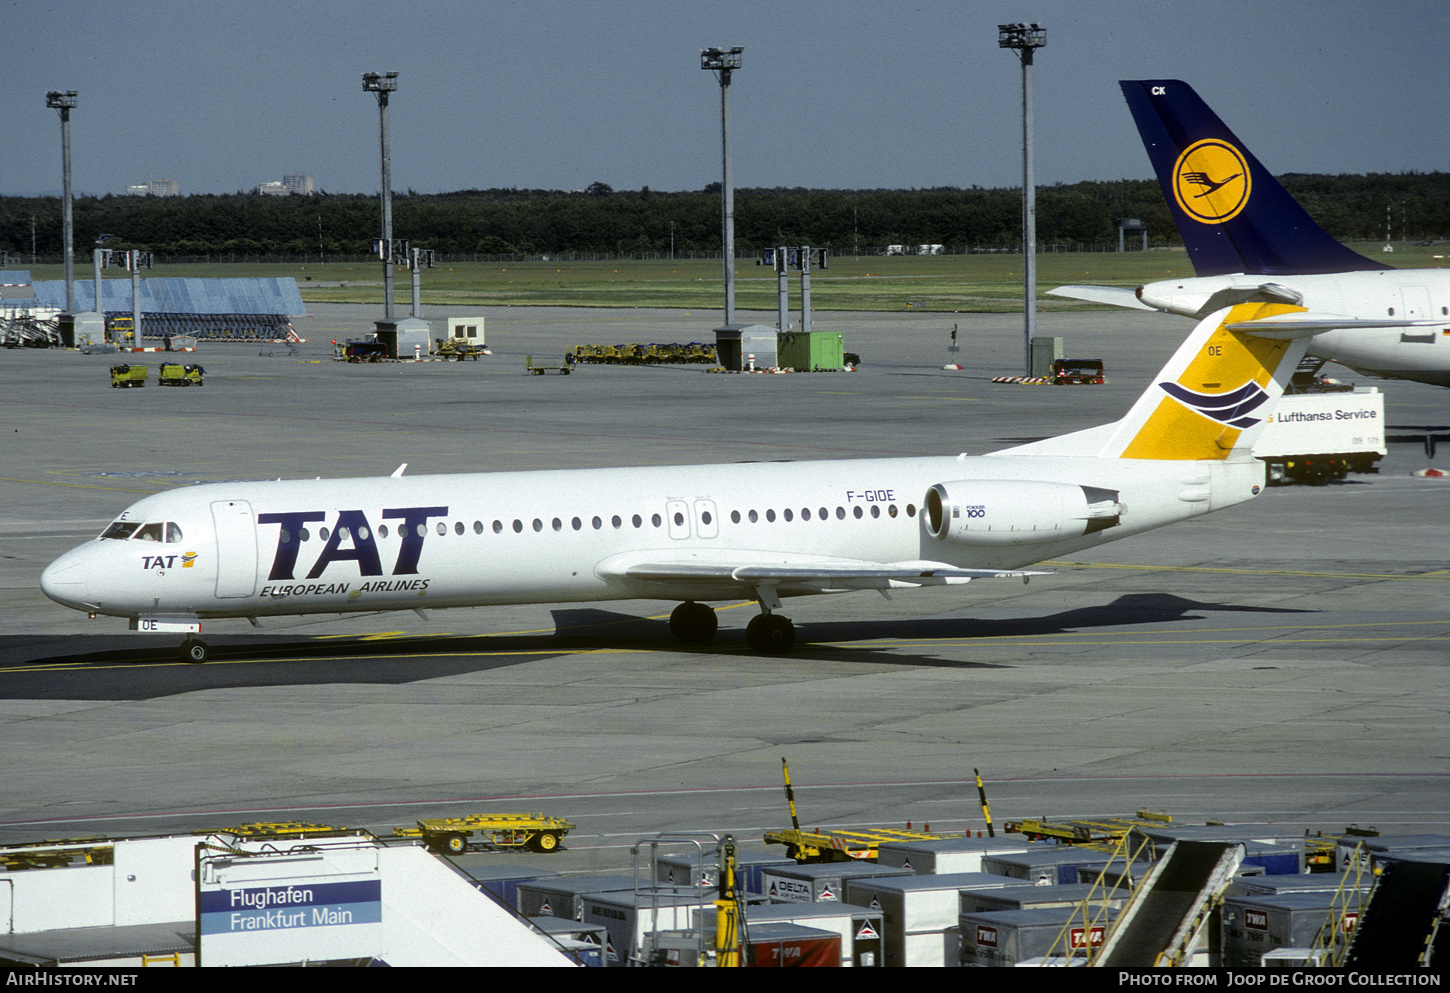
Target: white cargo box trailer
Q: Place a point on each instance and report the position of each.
(1316, 437)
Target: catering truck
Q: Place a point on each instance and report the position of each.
(1323, 433)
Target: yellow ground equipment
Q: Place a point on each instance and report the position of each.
(126, 376)
(459, 348)
(176, 374)
(281, 831)
(1099, 833)
(539, 370)
(454, 835)
(833, 846)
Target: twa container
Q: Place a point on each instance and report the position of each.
(1312, 882)
(822, 882)
(1253, 925)
(919, 914)
(1274, 855)
(787, 946)
(942, 855)
(859, 927)
(1007, 937)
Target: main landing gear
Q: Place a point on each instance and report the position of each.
(695, 624)
(193, 650)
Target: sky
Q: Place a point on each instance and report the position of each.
(559, 94)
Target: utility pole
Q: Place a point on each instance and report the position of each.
(1025, 40)
(382, 84)
(65, 103)
(723, 62)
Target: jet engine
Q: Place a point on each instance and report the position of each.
(1017, 512)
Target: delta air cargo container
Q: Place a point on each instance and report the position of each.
(859, 927)
(564, 897)
(819, 882)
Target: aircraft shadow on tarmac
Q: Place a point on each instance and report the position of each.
(120, 667)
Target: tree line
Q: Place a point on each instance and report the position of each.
(642, 222)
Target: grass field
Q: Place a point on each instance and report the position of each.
(943, 283)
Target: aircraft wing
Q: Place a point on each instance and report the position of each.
(1118, 296)
(747, 574)
(1306, 323)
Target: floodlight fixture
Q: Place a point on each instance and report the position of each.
(722, 62)
(65, 102)
(383, 83)
(1026, 39)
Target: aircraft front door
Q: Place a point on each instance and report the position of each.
(236, 548)
(678, 514)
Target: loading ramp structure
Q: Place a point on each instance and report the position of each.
(1402, 924)
(1171, 907)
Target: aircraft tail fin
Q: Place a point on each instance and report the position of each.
(1213, 397)
(1231, 212)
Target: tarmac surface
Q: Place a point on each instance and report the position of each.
(1278, 663)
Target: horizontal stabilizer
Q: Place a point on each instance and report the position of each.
(1117, 296)
(1308, 324)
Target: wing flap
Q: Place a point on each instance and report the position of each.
(1308, 323)
(837, 574)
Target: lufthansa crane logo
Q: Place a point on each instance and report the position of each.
(1211, 181)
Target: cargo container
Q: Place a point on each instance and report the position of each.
(859, 927)
(1253, 925)
(948, 854)
(564, 897)
(1007, 937)
(819, 882)
(685, 869)
(811, 351)
(632, 918)
(1051, 864)
(919, 915)
(982, 901)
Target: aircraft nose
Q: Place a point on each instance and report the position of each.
(64, 580)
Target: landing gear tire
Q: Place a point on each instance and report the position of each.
(770, 633)
(193, 650)
(693, 623)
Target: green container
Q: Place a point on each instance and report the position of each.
(814, 352)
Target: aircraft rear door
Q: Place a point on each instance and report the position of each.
(236, 548)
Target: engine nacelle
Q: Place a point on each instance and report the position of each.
(1017, 512)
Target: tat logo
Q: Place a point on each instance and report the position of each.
(353, 528)
(1211, 181)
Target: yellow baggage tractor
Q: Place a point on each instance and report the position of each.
(126, 376)
(455, 835)
(175, 374)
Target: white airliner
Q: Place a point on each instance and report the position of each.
(1249, 240)
(762, 531)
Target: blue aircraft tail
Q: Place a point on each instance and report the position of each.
(1233, 215)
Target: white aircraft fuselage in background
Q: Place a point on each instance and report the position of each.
(1249, 240)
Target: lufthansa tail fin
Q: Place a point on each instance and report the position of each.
(1209, 402)
(1233, 215)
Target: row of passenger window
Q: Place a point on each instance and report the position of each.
(617, 523)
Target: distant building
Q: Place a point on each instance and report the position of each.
(155, 188)
(298, 182)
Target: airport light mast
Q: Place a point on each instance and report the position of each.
(65, 103)
(382, 84)
(1025, 39)
(723, 62)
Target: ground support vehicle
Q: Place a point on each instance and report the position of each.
(176, 374)
(839, 846)
(1067, 372)
(126, 376)
(539, 370)
(1317, 436)
(458, 348)
(455, 835)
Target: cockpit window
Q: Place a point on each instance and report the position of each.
(120, 530)
(173, 533)
(148, 532)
